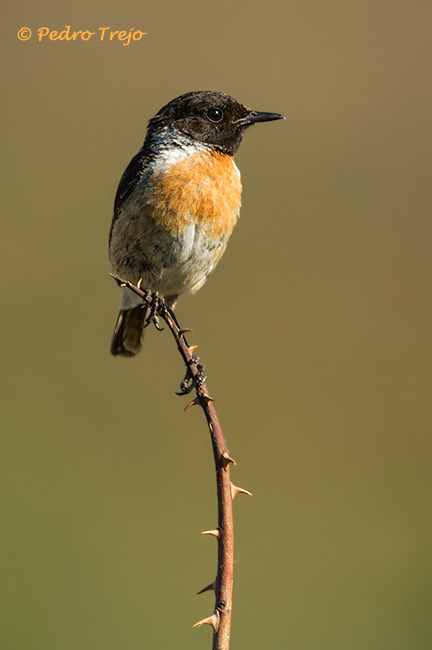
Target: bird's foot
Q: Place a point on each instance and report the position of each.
(156, 305)
(193, 380)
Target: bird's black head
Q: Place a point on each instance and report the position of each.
(212, 118)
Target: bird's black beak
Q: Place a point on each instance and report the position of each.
(256, 116)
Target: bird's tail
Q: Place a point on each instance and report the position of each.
(129, 333)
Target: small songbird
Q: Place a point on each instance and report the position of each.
(177, 204)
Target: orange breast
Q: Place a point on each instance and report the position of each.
(204, 188)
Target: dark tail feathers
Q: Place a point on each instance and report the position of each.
(129, 333)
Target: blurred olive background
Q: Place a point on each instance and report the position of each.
(315, 332)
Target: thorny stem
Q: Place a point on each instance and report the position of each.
(221, 617)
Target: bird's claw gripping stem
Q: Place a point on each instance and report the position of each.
(192, 380)
(156, 304)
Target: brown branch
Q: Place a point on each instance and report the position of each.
(220, 620)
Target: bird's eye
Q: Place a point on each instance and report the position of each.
(214, 115)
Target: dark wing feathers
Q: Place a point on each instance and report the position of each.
(130, 178)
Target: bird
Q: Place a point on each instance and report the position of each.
(177, 204)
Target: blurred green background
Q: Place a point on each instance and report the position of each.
(315, 331)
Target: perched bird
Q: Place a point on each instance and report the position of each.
(177, 204)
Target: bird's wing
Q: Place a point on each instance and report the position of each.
(128, 181)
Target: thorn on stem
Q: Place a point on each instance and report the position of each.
(210, 587)
(211, 620)
(182, 332)
(235, 490)
(214, 532)
(192, 348)
(193, 403)
(227, 458)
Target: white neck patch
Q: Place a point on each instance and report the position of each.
(171, 146)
